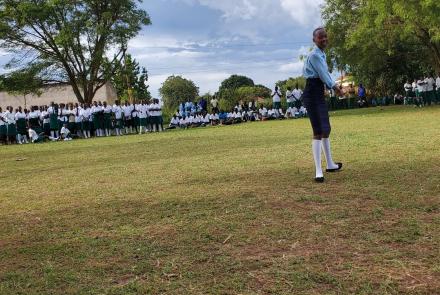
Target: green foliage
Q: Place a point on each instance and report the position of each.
(232, 83)
(176, 90)
(72, 38)
(384, 43)
(130, 80)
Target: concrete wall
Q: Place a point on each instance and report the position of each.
(62, 93)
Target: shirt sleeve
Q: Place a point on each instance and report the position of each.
(321, 68)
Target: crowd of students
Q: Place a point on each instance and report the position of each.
(422, 92)
(69, 121)
(192, 115)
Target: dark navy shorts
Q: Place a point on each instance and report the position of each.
(316, 106)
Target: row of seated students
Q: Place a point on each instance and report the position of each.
(203, 119)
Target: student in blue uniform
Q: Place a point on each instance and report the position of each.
(318, 77)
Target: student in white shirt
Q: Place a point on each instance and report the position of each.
(174, 123)
(289, 97)
(421, 90)
(53, 119)
(437, 85)
(276, 99)
(430, 93)
(45, 118)
(119, 113)
(20, 119)
(128, 121)
(3, 128)
(215, 119)
(297, 94)
(156, 116)
(85, 116)
(11, 127)
(183, 123)
(65, 133)
(142, 113)
(107, 111)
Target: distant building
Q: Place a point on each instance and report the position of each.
(58, 93)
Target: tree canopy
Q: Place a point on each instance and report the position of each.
(383, 43)
(176, 90)
(78, 42)
(130, 80)
(232, 83)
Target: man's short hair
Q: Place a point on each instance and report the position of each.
(317, 30)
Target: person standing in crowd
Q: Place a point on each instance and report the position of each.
(297, 94)
(289, 98)
(119, 113)
(107, 111)
(421, 90)
(3, 128)
(430, 94)
(437, 85)
(318, 77)
(53, 118)
(276, 100)
(362, 96)
(11, 127)
(45, 119)
(408, 93)
(86, 120)
(20, 119)
(142, 111)
(128, 122)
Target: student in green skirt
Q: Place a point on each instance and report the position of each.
(3, 128)
(20, 119)
(11, 131)
(107, 118)
(45, 118)
(119, 114)
(85, 115)
(53, 120)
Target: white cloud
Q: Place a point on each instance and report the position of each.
(302, 12)
(293, 68)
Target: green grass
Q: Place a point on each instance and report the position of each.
(227, 210)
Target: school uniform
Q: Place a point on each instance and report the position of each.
(20, 119)
(11, 127)
(85, 118)
(78, 120)
(119, 112)
(430, 94)
(276, 100)
(63, 117)
(317, 78)
(297, 93)
(107, 111)
(34, 136)
(53, 118)
(127, 110)
(45, 118)
(71, 117)
(317, 75)
(437, 85)
(3, 128)
(34, 120)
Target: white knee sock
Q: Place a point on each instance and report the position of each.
(328, 154)
(316, 148)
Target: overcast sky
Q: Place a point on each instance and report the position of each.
(208, 40)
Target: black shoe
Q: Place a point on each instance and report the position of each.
(319, 179)
(336, 169)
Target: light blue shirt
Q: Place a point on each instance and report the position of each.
(316, 67)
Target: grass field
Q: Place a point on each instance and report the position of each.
(227, 210)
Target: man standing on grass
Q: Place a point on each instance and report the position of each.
(318, 77)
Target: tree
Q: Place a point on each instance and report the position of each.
(70, 41)
(130, 80)
(383, 43)
(176, 90)
(232, 83)
(21, 83)
(249, 93)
